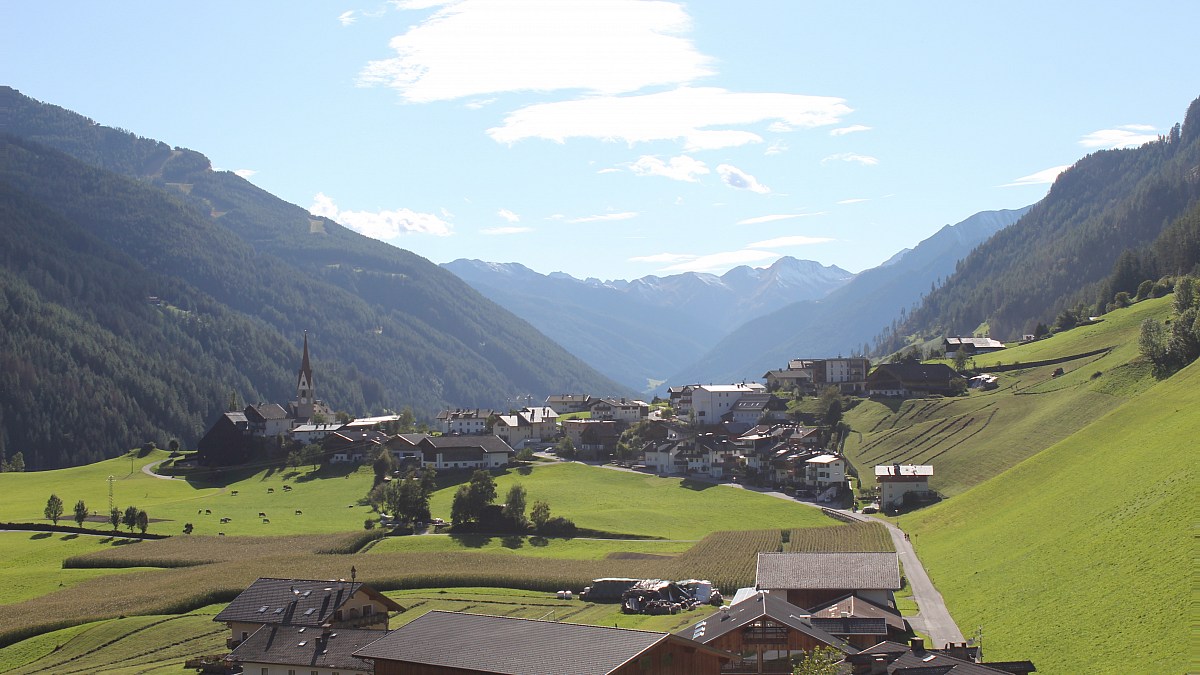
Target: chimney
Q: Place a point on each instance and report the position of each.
(879, 666)
(918, 645)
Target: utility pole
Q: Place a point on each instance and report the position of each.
(110, 494)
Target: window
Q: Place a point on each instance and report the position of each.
(265, 671)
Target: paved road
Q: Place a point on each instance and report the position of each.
(934, 619)
(148, 469)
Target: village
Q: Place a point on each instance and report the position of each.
(740, 433)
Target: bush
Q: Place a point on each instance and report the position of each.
(558, 526)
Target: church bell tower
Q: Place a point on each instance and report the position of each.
(305, 393)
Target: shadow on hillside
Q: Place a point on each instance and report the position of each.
(697, 485)
(472, 540)
(218, 477)
(512, 541)
(41, 535)
(891, 403)
(339, 470)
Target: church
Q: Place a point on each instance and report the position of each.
(240, 436)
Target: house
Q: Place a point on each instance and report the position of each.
(227, 442)
(352, 446)
(378, 423)
(898, 481)
(569, 403)
(458, 643)
(660, 456)
(812, 375)
(913, 379)
(593, 439)
(282, 649)
(529, 425)
(753, 409)
(710, 401)
(267, 420)
(814, 579)
(719, 455)
(467, 421)
(892, 658)
(860, 622)
(464, 452)
(626, 411)
(970, 345)
(984, 381)
(313, 433)
(825, 470)
(308, 603)
(765, 633)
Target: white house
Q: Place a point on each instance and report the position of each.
(825, 470)
(466, 421)
(620, 409)
(313, 433)
(527, 425)
(710, 401)
(897, 480)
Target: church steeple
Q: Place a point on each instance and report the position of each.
(305, 392)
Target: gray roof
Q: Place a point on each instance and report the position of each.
(755, 607)
(486, 443)
(268, 411)
(850, 571)
(499, 644)
(307, 647)
(903, 660)
(300, 602)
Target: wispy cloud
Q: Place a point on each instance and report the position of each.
(346, 18)
(776, 147)
(1040, 178)
(509, 216)
(683, 167)
(244, 173)
(865, 160)
(786, 242)
(703, 117)
(853, 128)
(383, 225)
(1124, 136)
(626, 215)
(721, 262)
(774, 217)
(494, 231)
(477, 47)
(736, 178)
(855, 200)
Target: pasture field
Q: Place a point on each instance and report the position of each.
(31, 563)
(638, 504)
(973, 438)
(1078, 555)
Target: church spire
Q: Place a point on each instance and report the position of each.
(305, 391)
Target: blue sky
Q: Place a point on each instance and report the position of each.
(620, 138)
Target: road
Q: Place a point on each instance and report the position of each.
(934, 619)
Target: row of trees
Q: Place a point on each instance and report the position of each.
(131, 517)
(1175, 344)
(473, 503)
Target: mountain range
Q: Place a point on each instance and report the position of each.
(639, 332)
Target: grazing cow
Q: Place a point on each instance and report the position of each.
(220, 534)
(208, 512)
(234, 493)
(266, 520)
(299, 512)
(262, 515)
(270, 490)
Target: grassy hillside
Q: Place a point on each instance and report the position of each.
(971, 439)
(1083, 553)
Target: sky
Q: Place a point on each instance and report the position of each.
(622, 138)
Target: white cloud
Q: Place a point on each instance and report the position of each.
(794, 240)
(736, 178)
(347, 18)
(626, 215)
(609, 170)
(244, 173)
(479, 103)
(476, 47)
(682, 168)
(853, 128)
(383, 225)
(721, 262)
(774, 217)
(509, 216)
(699, 116)
(505, 230)
(776, 147)
(1042, 177)
(1125, 136)
(855, 200)
(865, 160)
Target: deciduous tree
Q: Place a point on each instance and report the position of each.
(54, 508)
(81, 512)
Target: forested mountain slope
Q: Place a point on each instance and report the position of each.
(91, 367)
(1062, 253)
(849, 318)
